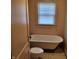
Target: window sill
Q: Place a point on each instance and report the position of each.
(47, 24)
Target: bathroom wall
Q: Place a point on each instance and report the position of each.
(19, 29)
(61, 21)
(65, 31)
(65, 38)
(35, 28)
(65, 27)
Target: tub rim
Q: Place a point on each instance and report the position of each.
(60, 41)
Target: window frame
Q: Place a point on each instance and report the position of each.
(47, 15)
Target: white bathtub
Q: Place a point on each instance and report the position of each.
(45, 41)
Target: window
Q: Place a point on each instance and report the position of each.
(46, 13)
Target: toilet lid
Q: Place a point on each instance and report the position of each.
(36, 50)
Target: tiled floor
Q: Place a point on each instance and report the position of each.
(58, 54)
(53, 56)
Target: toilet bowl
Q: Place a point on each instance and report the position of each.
(36, 52)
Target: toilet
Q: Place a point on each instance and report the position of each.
(36, 52)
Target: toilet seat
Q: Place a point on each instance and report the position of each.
(36, 50)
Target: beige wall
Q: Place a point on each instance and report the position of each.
(19, 27)
(59, 28)
(54, 29)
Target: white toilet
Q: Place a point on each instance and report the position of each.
(36, 52)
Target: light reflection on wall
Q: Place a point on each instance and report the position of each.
(19, 14)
